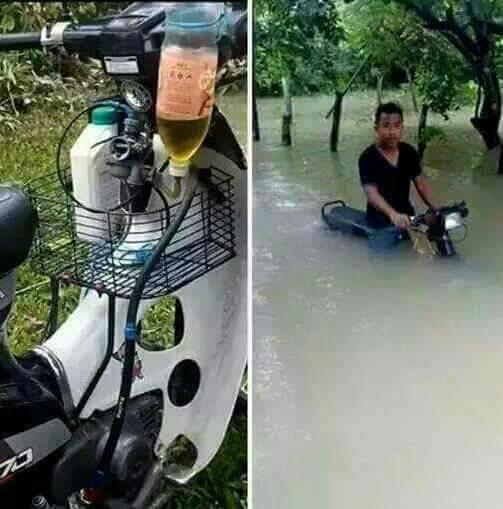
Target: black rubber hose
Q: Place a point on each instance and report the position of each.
(131, 332)
(52, 323)
(164, 201)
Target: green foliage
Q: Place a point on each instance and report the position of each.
(395, 38)
(299, 39)
(499, 58)
(33, 77)
(441, 83)
(157, 332)
(31, 16)
(384, 32)
(463, 10)
(391, 36)
(430, 133)
(223, 484)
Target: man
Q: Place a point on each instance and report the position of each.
(386, 170)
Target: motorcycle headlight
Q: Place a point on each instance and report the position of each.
(453, 221)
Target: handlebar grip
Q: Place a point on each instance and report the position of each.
(28, 40)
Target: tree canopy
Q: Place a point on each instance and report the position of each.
(298, 38)
(393, 38)
(448, 51)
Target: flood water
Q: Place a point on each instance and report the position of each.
(377, 379)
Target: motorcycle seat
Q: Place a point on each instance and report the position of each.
(18, 221)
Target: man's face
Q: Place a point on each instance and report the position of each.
(389, 130)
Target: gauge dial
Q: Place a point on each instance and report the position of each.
(136, 95)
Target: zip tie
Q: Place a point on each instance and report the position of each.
(131, 332)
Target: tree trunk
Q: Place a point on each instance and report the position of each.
(423, 119)
(379, 89)
(490, 112)
(286, 136)
(412, 89)
(336, 122)
(255, 126)
(477, 103)
(336, 109)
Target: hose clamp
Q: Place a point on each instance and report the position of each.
(131, 332)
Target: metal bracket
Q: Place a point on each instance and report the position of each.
(52, 35)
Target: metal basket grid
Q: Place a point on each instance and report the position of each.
(106, 251)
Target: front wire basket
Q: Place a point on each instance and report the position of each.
(107, 251)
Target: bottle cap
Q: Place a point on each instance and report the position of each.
(177, 170)
(104, 115)
(195, 15)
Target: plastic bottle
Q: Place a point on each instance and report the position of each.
(186, 83)
(159, 149)
(93, 186)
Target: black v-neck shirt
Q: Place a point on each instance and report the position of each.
(393, 182)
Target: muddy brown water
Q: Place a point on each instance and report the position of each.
(377, 379)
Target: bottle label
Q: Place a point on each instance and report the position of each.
(186, 85)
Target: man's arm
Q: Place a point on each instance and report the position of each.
(424, 189)
(376, 199)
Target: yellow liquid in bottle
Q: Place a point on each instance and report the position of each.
(182, 138)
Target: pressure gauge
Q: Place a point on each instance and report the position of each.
(136, 95)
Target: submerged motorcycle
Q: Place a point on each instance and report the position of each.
(437, 226)
(88, 417)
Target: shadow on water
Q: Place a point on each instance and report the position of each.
(379, 373)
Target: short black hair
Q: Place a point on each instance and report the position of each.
(389, 108)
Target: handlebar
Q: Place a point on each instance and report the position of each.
(85, 38)
(442, 212)
(20, 41)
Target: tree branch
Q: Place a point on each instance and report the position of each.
(476, 23)
(465, 52)
(449, 28)
(462, 35)
(355, 75)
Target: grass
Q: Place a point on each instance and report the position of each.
(25, 154)
(28, 153)
(224, 483)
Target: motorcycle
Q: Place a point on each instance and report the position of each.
(87, 418)
(436, 225)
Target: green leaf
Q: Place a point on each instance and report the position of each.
(8, 23)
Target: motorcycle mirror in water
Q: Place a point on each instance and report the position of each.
(88, 416)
